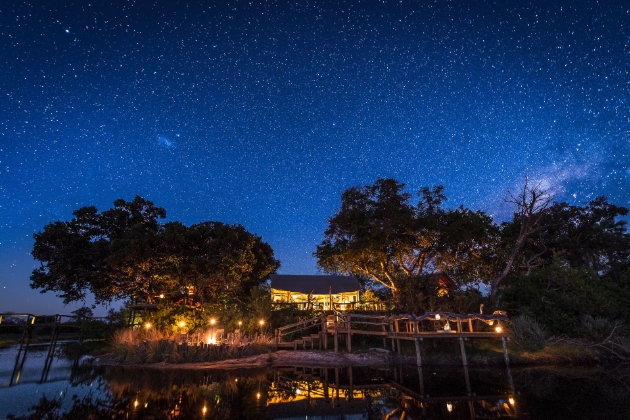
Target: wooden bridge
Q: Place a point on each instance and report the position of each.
(27, 323)
(431, 325)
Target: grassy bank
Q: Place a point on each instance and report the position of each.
(142, 347)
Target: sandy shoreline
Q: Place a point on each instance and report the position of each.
(278, 358)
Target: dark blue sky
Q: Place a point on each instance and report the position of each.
(262, 113)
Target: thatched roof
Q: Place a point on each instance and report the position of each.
(320, 285)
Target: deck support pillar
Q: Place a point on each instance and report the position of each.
(336, 335)
(463, 349)
(391, 330)
(384, 334)
(349, 342)
(507, 363)
(414, 324)
(397, 329)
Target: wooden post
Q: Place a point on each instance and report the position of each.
(385, 331)
(349, 343)
(470, 325)
(397, 328)
(507, 364)
(326, 385)
(421, 381)
(336, 336)
(323, 335)
(467, 378)
(463, 349)
(391, 330)
(417, 342)
(277, 338)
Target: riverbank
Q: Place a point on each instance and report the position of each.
(555, 355)
(277, 358)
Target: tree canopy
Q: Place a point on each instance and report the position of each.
(127, 250)
(379, 235)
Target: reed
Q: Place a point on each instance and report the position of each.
(155, 346)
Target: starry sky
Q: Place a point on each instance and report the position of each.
(262, 112)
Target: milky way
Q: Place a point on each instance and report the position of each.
(262, 113)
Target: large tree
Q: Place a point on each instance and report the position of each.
(531, 203)
(126, 250)
(593, 236)
(379, 235)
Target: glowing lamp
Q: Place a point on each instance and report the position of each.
(204, 410)
(261, 322)
(449, 407)
(511, 400)
(162, 296)
(212, 321)
(182, 324)
(258, 395)
(447, 326)
(437, 317)
(240, 323)
(498, 328)
(147, 325)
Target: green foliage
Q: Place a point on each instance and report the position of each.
(417, 297)
(125, 251)
(558, 296)
(526, 330)
(598, 329)
(378, 234)
(169, 317)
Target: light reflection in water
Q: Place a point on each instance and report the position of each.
(403, 392)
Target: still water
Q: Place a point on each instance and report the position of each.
(83, 390)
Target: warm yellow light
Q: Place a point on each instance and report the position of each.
(146, 405)
(258, 395)
(437, 317)
(147, 325)
(212, 341)
(182, 324)
(511, 400)
(212, 321)
(449, 407)
(204, 409)
(498, 329)
(135, 403)
(162, 296)
(297, 391)
(261, 322)
(447, 326)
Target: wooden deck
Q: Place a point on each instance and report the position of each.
(396, 328)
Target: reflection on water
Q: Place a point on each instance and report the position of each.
(312, 393)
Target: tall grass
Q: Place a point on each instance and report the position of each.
(155, 346)
(526, 330)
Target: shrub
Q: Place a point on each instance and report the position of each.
(527, 330)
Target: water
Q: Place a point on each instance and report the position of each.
(310, 393)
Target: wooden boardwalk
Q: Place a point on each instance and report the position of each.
(395, 328)
(28, 323)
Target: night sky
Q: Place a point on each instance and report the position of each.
(262, 113)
